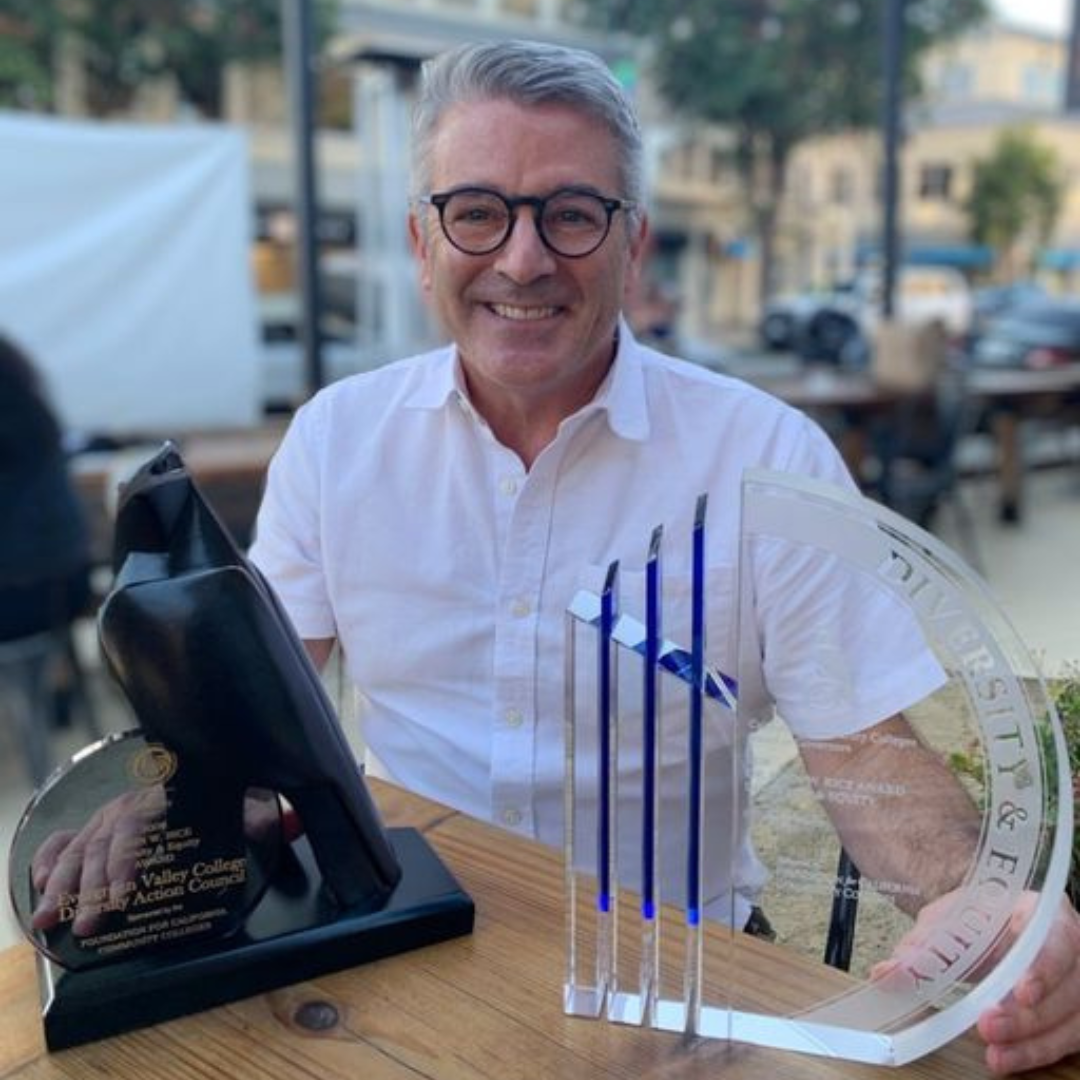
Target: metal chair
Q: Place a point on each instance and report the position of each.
(26, 694)
(840, 939)
(916, 446)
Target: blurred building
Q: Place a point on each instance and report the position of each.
(702, 275)
(999, 76)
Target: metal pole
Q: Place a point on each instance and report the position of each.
(1072, 75)
(892, 66)
(296, 25)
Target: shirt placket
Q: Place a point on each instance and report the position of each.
(522, 513)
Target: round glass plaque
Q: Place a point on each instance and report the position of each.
(936, 841)
(126, 851)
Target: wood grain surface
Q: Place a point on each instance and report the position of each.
(484, 1007)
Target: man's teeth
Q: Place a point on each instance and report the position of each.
(508, 311)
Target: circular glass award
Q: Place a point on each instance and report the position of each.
(939, 841)
(129, 850)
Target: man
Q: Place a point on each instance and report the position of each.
(435, 517)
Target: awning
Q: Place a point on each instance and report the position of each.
(927, 253)
(1059, 259)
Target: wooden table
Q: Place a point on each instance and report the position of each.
(852, 394)
(229, 467)
(1010, 396)
(484, 1007)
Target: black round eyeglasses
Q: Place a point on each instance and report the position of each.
(570, 222)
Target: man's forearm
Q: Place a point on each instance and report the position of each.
(913, 823)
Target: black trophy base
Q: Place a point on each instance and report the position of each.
(290, 936)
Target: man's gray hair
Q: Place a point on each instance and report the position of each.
(526, 73)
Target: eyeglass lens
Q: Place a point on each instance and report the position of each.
(570, 222)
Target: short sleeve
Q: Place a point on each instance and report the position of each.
(838, 651)
(288, 546)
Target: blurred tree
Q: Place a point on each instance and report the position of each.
(1017, 193)
(776, 73)
(27, 33)
(124, 42)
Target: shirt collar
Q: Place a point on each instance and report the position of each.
(621, 395)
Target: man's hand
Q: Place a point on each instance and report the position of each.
(1038, 1023)
(81, 874)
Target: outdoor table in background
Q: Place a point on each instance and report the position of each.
(1010, 396)
(229, 466)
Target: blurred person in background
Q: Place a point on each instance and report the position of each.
(44, 550)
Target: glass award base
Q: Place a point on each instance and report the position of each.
(292, 934)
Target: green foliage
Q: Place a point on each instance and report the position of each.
(123, 42)
(1017, 193)
(786, 69)
(27, 31)
(1067, 702)
(24, 77)
(778, 72)
(1065, 693)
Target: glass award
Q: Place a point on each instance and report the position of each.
(843, 827)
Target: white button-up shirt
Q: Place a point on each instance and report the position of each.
(395, 521)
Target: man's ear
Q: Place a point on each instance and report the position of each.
(636, 248)
(418, 241)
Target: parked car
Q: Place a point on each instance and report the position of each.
(837, 324)
(785, 316)
(992, 301)
(1042, 334)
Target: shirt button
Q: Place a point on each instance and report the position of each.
(511, 817)
(508, 485)
(520, 608)
(513, 718)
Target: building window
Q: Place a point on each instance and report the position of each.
(687, 161)
(935, 182)
(841, 186)
(718, 164)
(956, 82)
(1040, 85)
(801, 186)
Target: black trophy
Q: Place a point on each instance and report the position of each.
(229, 844)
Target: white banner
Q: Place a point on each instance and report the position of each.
(125, 271)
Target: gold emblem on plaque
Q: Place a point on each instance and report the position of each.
(153, 764)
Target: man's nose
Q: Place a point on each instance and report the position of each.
(525, 257)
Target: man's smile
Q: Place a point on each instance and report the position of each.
(523, 314)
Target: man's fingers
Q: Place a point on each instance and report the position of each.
(59, 894)
(1043, 1049)
(93, 887)
(1038, 1022)
(46, 856)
